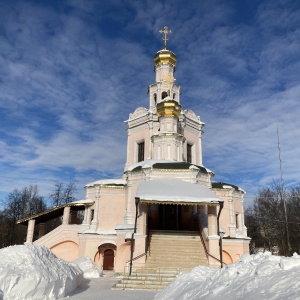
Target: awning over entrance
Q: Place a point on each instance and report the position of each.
(175, 191)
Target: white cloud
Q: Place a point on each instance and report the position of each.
(70, 75)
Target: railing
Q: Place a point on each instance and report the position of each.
(204, 244)
(137, 257)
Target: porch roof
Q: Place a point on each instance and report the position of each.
(56, 211)
(175, 191)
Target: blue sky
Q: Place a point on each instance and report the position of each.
(72, 71)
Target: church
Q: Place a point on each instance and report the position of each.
(165, 210)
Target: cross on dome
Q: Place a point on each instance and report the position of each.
(165, 32)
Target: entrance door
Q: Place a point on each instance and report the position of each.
(169, 217)
(108, 259)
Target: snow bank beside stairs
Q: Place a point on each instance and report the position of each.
(261, 276)
(34, 272)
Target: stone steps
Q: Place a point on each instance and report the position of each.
(181, 249)
(169, 253)
(147, 279)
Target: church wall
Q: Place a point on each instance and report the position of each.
(111, 208)
(67, 250)
(192, 138)
(136, 137)
(235, 247)
(235, 241)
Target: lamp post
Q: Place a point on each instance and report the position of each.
(132, 235)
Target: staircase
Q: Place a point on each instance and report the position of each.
(169, 253)
(175, 249)
(147, 279)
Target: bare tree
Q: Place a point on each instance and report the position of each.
(19, 204)
(63, 195)
(266, 219)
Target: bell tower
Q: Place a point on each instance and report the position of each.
(164, 101)
(164, 131)
(164, 68)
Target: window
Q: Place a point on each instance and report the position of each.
(164, 95)
(174, 96)
(237, 221)
(155, 99)
(141, 148)
(189, 153)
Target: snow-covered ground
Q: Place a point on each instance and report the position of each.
(253, 277)
(34, 272)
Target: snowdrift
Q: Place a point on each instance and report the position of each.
(87, 267)
(253, 277)
(34, 272)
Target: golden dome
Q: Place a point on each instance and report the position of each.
(163, 57)
(168, 108)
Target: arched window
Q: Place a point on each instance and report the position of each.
(155, 99)
(174, 96)
(164, 95)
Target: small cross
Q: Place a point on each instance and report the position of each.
(165, 32)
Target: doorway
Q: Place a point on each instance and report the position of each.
(108, 259)
(170, 217)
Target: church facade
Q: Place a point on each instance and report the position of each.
(165, 188)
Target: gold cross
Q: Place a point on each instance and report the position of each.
(165, 32)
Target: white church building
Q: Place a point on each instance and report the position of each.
(165, 210)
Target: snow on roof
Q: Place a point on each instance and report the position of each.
(173, 190)
(84, 201)
(259, 276)
(107, 182)
(149, 163)
(222, 185)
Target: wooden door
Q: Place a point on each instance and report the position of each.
(108, 259)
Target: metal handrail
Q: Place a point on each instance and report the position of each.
(203, 242)
(137, 257)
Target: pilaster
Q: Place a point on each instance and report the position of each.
(30, 231)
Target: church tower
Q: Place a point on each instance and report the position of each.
(164, 131)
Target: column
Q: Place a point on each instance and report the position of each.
(232, 227)
(212, 220)
(88, 217)
(128, 215)
(85, 220)
(243, 220)
(200, 148)
(150, 124)
(42, 229)
(194, 209)
(66, 215)
(128, 152)
(94, 223)
(30, 230)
